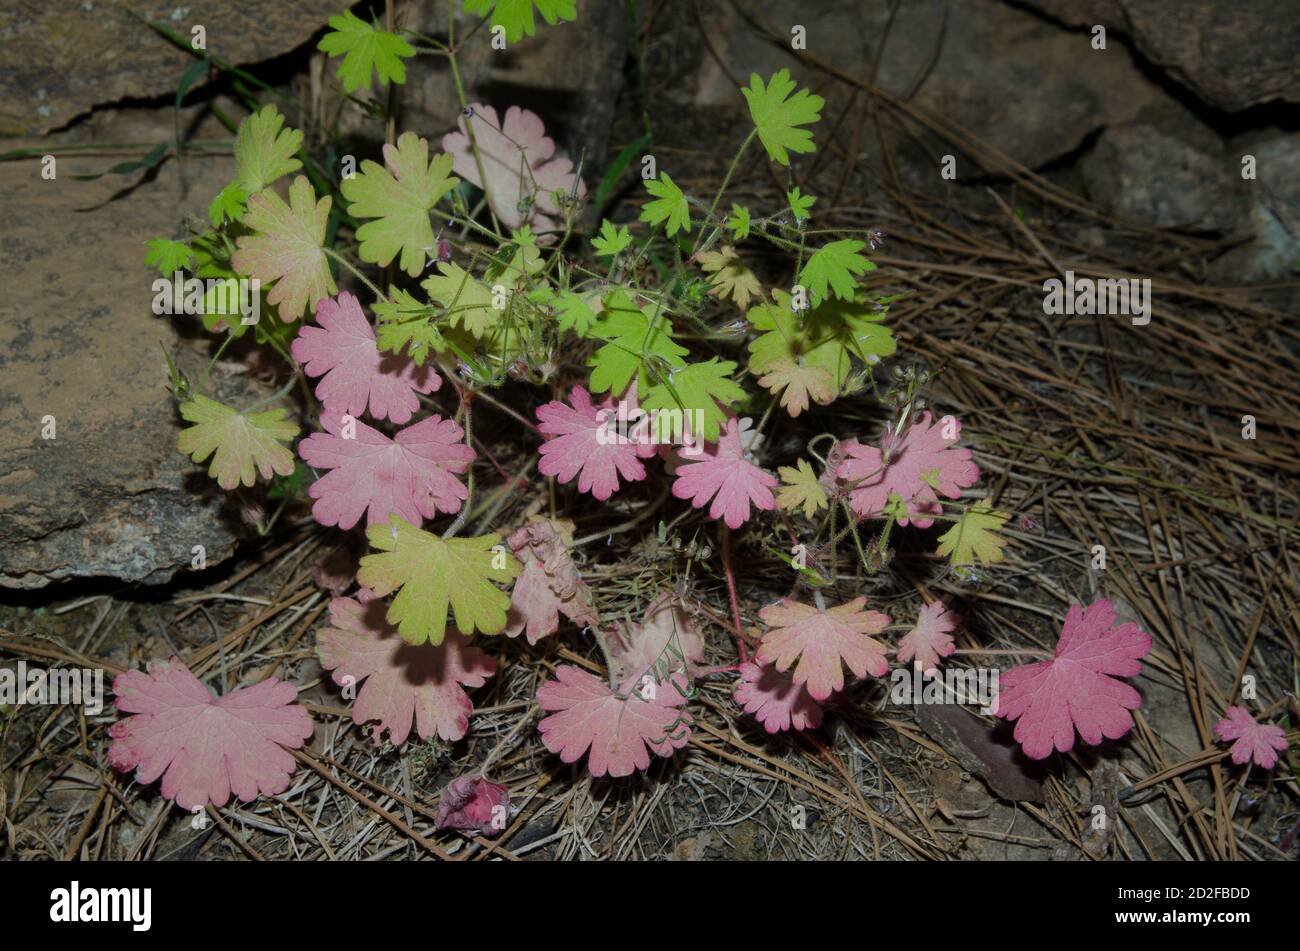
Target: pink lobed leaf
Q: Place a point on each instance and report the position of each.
(413, 475)
(725, 474)
(403, 682)
(930, 638)
(775, 700)
(921, 466)
(821, 641)
(620, 732)
(354, 374)
(1260, 742)
(1076, 689)
(206, 747)
(576, 447)
(517, 158)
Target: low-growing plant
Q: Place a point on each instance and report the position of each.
(483, 269)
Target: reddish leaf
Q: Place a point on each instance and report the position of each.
(725, 474)
(820, 640)
(665, 641)
(403, 682)
(918, 466)
(621, 732)
(549, 583)
(1260, 742)
(775, 700)
(207, 746)
(412, 475)
(930, 639)
(836, 457)
(517, 158)
(472, 804)
(1076, 688)
(353, 372)
(578, 447)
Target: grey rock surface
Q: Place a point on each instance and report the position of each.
(1274, 215)
(1232, 55)
(62, 58)
(1147, 174)
(1020, 83)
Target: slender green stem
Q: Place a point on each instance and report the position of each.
(731, 170)
(379, 295)
(215, 357)
(469, 131)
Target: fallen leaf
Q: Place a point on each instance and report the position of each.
(549, 583)
(1258, 742)
(666, 641)
(1076, 689)
(203, 746)
(472, 804)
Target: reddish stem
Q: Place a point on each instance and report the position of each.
(731, 591)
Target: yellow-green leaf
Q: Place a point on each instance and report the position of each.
(777, 115)
(244, 443)
(468, 301)
(731, 279)
(669, 207)
(801, 488)
(974, 537)
(287, 248)
(697, 388)
(399, 195)
(365, 49)
(264, 150)
(432, 574)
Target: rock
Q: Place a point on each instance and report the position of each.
(63, 58)
(109, 495)
(1142, 173)
(1020, 83)
(1274, 215)
(1232, 57)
